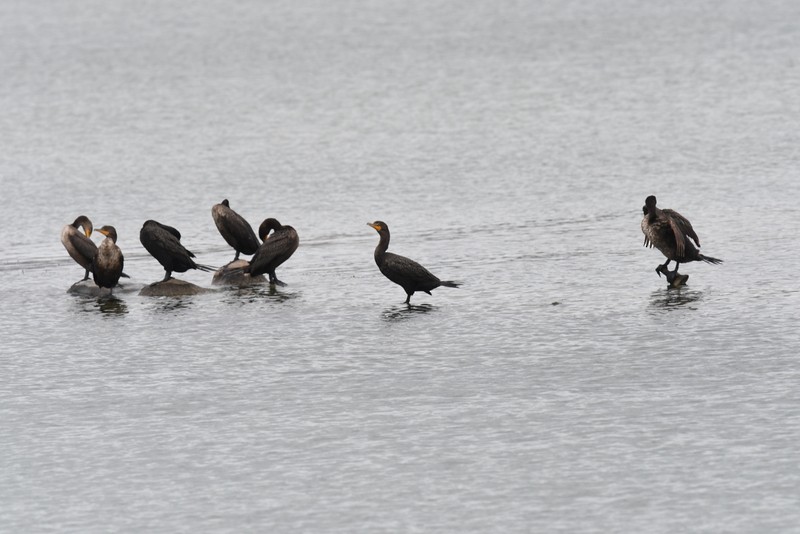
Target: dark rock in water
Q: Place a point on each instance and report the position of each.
(88, 288)
(677, 280)
(674, 278)
(172, 288)
(232, 275)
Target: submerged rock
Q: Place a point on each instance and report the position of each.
(678, 280)
(232, 275)
(172, 288)
(674, 278)
(88, 288)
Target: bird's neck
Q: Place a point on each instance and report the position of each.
(383, 245)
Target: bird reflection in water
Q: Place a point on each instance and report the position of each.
(105, 304)
(172, 305)
(672, 299)
(257, 292)
(270, 291)
(406, 312)
(111, 305)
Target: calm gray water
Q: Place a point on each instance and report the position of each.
(509, 146)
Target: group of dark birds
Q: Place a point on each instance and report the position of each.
(665, 229)
(105, 263)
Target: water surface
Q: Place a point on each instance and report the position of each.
(509, 146)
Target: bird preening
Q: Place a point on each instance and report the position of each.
(79, 247)
(672, 234)
(103, 263)
(278, 244)
(406, 273)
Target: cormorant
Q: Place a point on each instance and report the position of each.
(275, 249)
(163, 243)
(236, 231)
(78, 245)
(402, 271)
(672, 234)
(107, 263)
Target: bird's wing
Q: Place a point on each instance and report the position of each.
(277, 244)
(234, 227)
(405, 267)
(171, 230)
(83, 245)
(645, 228)
(680, 227)
(161, 239)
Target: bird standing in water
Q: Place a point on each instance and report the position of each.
(672, 234)
(108, 261)
(236, 231)
(78, 245)
(408, 274)
(163, 243)
(275, 249)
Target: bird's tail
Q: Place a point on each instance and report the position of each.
(709, 259)
(450, 283)
(206, 268)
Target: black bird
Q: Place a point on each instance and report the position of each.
(672, 234)
(236, 231)
(107, 263)
(275, 249)
(402, 271)
(78, 245)
(163, 243)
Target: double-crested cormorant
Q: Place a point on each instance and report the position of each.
(78, 245)
(236, 231)
(672, 234)
(163, 243)
(402, 271)
(275, 249)
(107, 263)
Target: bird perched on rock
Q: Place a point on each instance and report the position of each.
(164, 244)
(236, 231)
(108, 261)
(672, 234)
(78, 245)
(275, 249)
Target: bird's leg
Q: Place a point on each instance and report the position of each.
(274, 280)
(167, 276)
(408, 299)
(236, 257)
(658, 269)
(675, 271)
(85, 276)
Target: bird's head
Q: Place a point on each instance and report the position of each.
(109, 231)
(266, 226)
(379, 226)
(84, 222)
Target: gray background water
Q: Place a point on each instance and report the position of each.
(509, 145)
